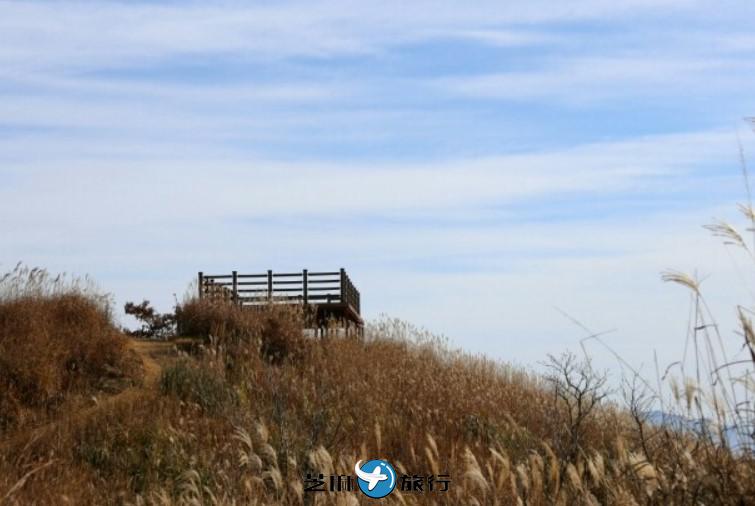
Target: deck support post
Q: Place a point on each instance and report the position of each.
(305, 288)
(269, 285)
(235, 296)
(343, 285)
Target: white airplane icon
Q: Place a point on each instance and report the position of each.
(372, 478)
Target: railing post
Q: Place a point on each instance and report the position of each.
(269, 285)
(305, 288)
(235, 275)
(200, 286)
(343, 285)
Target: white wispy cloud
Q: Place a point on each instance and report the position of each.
(586, 79)
(264, 188)
(76, 34)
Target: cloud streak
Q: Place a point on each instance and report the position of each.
(260, 188)
(600, 79)
(73, 36)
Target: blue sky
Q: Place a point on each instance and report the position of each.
(473, 167)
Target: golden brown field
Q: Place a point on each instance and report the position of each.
(90, 416)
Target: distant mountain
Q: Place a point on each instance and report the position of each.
(738, 440)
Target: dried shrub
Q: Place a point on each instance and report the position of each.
(274, 331)
(199, 385)
(55, 339)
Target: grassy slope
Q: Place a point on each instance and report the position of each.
(260, 407)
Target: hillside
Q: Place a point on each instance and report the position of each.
(249, 407)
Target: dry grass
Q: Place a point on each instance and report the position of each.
(274, 331)
(56, 339)
(257, 406)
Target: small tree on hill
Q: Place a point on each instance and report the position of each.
(154, 325)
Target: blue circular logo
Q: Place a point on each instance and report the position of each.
(376, 478)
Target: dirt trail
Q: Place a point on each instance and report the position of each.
(153, 355)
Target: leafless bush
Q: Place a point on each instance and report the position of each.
(578, 390)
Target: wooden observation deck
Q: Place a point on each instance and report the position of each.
(330, 296)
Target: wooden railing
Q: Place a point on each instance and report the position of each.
(287, 287)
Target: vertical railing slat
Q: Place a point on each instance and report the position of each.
(235, 295)
(269, 285)
(305, 288)
(343, 284)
